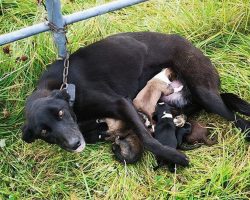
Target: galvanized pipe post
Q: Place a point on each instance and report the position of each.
(57, 24)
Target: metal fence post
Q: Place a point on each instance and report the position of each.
(57, 24)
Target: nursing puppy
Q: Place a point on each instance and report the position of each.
(182, 133)
(198, 135)
(94, 131)
(126, 145)
(164, 131)
(147, 98)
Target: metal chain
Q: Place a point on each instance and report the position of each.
(54, 28)
(41, 2)
(63, 30)
(65, 72)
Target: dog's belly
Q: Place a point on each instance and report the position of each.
(177, 99)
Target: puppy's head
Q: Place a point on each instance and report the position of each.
(51, 119)
(162, 110)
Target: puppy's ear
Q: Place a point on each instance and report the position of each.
(155, 117)
(28, 135)
(60, 94)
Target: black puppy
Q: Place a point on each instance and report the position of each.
(181, 133)
(165, 131)
(94, 131)
(119, 66)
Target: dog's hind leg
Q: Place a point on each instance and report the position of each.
(213, 102)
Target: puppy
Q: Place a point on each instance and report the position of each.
(94, 131)
(126, 145)
(181, 133)
(164, 131)
(199, 134)
(128, 149)
(147, 98)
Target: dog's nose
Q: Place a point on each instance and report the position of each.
(74, 144)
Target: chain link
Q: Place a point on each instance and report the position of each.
(41, 3)
(63, 30)
(65, 72)
(55, 29)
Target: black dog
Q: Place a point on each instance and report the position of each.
(119, 66)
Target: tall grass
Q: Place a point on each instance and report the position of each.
(41, 171)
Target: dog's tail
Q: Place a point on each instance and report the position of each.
(236, 104)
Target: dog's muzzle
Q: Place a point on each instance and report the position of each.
(81, 147)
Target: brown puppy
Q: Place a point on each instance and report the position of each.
(199, 134)
(148, 97)
(126, 145)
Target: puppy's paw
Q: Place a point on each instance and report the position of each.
(180, 120)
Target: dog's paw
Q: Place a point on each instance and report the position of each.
(181, 159)
(171, 167)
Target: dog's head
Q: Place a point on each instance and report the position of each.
(51, 119)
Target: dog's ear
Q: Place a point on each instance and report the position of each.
(27, 136)
(60, 94)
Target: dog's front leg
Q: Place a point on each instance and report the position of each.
(126, 112)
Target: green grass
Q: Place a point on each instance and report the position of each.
(221, 29)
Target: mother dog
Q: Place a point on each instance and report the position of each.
(110, 72)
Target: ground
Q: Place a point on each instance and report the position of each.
(221, 29)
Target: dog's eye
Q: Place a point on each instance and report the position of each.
(44, 132)
(60, 114)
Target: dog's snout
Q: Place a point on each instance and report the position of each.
(74, 143)
(77, 145)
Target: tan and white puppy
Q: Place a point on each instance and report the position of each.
(159, 86)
